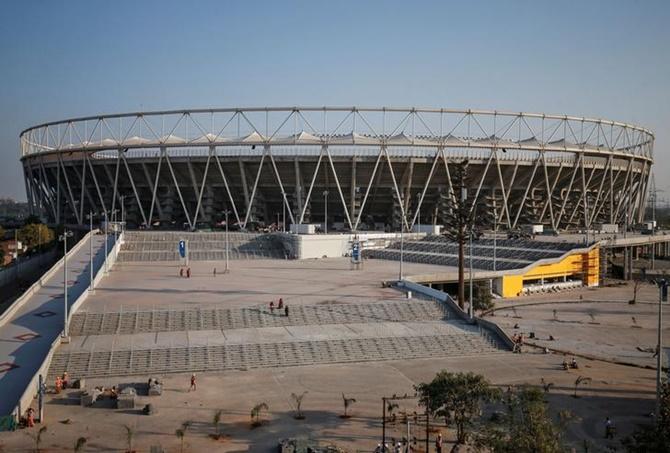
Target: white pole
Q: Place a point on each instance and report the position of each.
(470, 308)
(65, 320)
(653, 227)
(418, 212)
(325, 216)
(105, 232)
(90, 251)
(659, 350)
(495, 237)
(402, 249)
(226, 270)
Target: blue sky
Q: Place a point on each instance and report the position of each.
(60, 59)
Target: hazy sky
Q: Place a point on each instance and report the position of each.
(60, 59)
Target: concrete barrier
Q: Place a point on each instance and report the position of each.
(445, 298)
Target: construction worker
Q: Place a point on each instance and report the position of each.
(30, 417)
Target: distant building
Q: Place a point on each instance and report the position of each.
(11, 210)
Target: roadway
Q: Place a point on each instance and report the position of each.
(25, 339)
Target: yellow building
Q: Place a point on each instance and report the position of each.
(577, 265)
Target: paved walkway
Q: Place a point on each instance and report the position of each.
(26, 338)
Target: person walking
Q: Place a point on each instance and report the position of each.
(286, 310)
(181, 271)
(193, 386)
(272, 307)
(438, 443)
(188, 273)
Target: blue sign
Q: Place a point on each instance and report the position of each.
(356, 252)
(182, 248)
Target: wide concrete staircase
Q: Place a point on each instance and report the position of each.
(415, 337)
(87, 323)
(143, 246)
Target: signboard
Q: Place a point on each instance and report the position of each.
(356, 252)
(182, 248)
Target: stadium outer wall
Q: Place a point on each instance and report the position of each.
(368, 168)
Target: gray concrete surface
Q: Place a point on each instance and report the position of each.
(26, 338)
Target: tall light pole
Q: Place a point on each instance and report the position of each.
(495, 235)
(105, 232)
(325, 215)
(116, 224)
(402, 248)
(227, 269)
(90, 250)
(470, 306)
(662, 296)
(418, 211)
(63, 237)
(123, 213)
(625, 224)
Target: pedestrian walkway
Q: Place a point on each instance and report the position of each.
(26, 338)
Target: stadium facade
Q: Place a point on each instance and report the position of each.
(363, 168)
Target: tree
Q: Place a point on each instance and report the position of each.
(298, 403)
(482, 299)
(130, 433)
(34, 235)
(457, 397)
(347, 402)
(455, 210)
(181, 434)
(526, 427)
(37, 437)
(217, 422)
(636, 287)
(256, 413)
(390, 408)
(654, 438)
(79, 445)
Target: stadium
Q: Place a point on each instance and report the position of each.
(386, 208)
(359, 169)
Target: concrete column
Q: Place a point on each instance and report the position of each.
(625, 263)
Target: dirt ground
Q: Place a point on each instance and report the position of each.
(623, 393)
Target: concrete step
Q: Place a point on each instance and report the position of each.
(248, 356)
(131, 322)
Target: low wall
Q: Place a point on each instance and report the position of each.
(33, 387)
(445, 298)
(308, 246)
